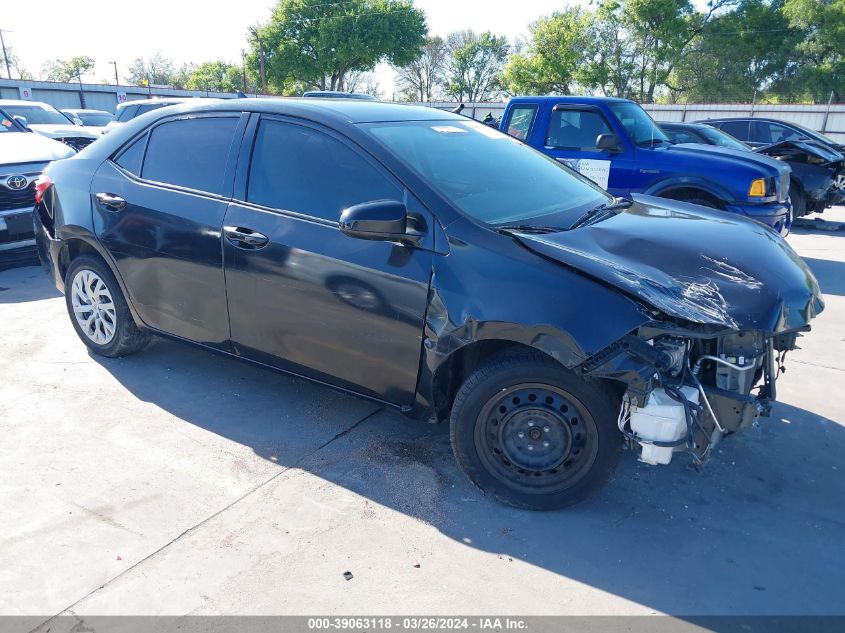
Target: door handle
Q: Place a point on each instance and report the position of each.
(110, 201)
(241, 237)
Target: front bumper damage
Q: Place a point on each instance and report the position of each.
(689, 387)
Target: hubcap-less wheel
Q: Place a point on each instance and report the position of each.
(536, 437)
(93, 307)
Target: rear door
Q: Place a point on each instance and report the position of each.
(302, 295)
(158, 208)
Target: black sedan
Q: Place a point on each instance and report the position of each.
(817, 169)
(437, 266)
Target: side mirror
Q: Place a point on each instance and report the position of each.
(608, 143)
(378, 220)
(22, 120)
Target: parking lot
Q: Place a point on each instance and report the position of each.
(179, 482)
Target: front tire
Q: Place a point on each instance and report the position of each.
(98, 310)
(533, 435)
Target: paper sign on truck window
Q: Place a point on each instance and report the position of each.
(596, 170)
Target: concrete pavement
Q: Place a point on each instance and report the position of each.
(179, 482)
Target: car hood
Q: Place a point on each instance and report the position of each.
(692, 263)
(729, 156)
(793, 149)
(62, 131)
(25, 147)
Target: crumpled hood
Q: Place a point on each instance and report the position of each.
(787, 149)
(27, 147)
(692, 263)
(736, 156)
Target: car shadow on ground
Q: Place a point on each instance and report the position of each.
(29, 283)
(818, 225)
(758, 531)
(829, 273)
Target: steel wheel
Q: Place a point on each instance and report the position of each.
(536, 437)
(93, 307)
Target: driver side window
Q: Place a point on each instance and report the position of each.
(575, 129)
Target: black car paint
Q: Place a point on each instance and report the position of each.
(464, 287)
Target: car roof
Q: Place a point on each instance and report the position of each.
(569, 99)
(336, 94)
(692, 124)
(167, 100)
(85, 111)
(330, 110)
(21, 102)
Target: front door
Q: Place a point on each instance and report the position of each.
(158, 209)
(571, 139)
(307, 298)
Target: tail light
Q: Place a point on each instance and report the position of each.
(42, 184)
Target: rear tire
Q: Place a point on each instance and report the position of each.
(532, 434)
(98, 311)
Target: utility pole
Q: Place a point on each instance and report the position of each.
(243, 67)
(116, 81)
(262, 72)
(5, 56)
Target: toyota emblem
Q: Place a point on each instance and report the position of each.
(16, 182)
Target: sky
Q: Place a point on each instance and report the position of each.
(197, 31)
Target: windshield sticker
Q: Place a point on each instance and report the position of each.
(448, 129)
(596, 170)
(6, 123)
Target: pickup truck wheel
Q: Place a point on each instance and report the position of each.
(98, 310)
(798, 200)
(532, 434)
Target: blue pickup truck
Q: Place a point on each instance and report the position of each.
(615, 143)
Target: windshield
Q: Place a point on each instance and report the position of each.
(639, 125)
(814, 134)
(488, 175)
(38, 115)
(7, 124)
(720, 138)
(96, 120)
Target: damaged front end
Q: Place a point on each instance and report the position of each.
(819, 170)
(728, 299)
(689, 387)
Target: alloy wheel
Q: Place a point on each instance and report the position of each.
(93, 307)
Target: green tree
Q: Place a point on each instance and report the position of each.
(68, 70)
(553, 56)
(422, 79)
(316, 43)
(474, 65)
(822, 46)
(217, 76)
(737, 55)
(157, 70)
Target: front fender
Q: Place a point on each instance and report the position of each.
(695, 182)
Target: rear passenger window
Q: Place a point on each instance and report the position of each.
(737, 129)
(296, 168)
(190, 152)
(520, 121)
(576, 129)
(130, 158)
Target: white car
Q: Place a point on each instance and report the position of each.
(128, 110)
(23, 156)
(47, 121)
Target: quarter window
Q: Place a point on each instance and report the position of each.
(520, 120)
(190, 152)
(296, 168)
(575, 129)
(130, 158)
